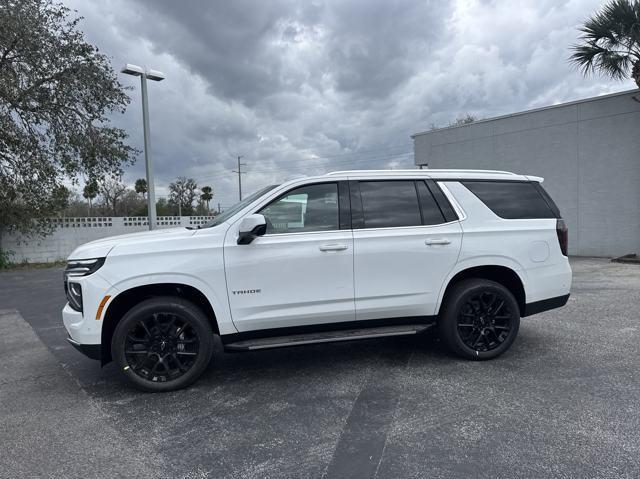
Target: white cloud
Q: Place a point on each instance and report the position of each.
(312, 86)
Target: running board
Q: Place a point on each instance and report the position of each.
(326, 337)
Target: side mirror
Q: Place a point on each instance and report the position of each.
(251, 227)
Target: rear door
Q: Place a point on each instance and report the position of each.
(405, 244)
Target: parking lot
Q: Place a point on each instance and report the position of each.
(563, 402)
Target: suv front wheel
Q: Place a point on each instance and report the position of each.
(163, 344)
(480, 319)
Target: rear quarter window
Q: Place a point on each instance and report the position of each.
(512, 199)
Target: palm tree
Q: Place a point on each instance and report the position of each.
(611, 42)
(141, 187)
(90, 192)
(207, 195)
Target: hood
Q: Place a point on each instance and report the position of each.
(101, 248)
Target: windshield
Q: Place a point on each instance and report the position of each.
(229, 212)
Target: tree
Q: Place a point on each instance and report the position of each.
(182, 193)
(463, 120)
(56, 95)
(77, 206)
(141, 187)
(131, 204)
(610, 42)
(163, 208)
(90, 192)
(460, 121)
(207, 195)
(61, 195)
(112, 190)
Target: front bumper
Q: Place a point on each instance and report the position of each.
(85, 339)
(83, 328)
(80, 327)
(93, 351)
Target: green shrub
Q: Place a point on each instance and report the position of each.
(4, 258)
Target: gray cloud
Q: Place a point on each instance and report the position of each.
(305, 87)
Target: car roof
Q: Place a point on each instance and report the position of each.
(435, 174)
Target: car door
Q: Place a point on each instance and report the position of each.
(300, 272)
(405, 244)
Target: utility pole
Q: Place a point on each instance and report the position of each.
(240, 173)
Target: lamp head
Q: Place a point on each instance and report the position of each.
(131, 69)
(154, 75)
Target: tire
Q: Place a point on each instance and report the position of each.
(163, 344)
(479, 320)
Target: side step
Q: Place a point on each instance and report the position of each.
(326, 337)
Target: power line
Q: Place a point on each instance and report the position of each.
(354, 157)
(358, 152)
(304, 165)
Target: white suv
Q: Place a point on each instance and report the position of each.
(348, 255)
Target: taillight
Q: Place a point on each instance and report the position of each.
(563, 236)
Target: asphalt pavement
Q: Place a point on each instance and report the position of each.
(563, 402)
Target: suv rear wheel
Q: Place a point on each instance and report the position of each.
(480, 319)
(163, 344)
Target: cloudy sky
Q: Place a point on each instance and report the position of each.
(303, 87)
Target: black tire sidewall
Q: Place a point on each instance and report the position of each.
(448, 323)
(187, 311)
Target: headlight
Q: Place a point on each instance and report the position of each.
(75, 269)
(74, 295)
(82, 267)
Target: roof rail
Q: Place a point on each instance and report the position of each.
(425, 171)
(360, 172)
(463, 170)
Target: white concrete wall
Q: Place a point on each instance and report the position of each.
(587, 151)
(70, 233)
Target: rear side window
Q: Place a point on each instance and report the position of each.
(511, 199)
(431, 213)
(389, 204)
(550, 202)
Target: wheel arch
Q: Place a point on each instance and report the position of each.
(125, 300)
(504, 275)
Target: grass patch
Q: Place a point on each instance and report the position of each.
(28, 266)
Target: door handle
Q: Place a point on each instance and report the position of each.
(333, 247)
(435, 241)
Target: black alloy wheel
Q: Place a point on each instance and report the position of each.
(485, 321)
(161, 347)
(479, 319)
(163, 344)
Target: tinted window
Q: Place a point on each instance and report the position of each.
(550, 202)
(447, 210)
(308, 208)
(431, 214)
(389, 204)
(229, 212)
(511, 199)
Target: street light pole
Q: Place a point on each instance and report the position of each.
(156, 76)
(151, 195)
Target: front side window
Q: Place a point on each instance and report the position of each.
(229, 212)
(389, 204)
(308, 208)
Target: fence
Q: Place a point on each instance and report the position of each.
(69, 233)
